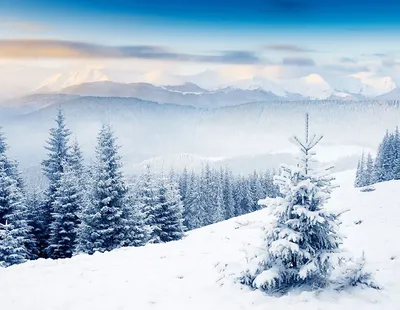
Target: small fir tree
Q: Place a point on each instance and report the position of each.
(304, 236)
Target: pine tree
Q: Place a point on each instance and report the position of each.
(105, 222)
(12, 251)
(35, 202)
(76, 164)
(218, 210)
(183, 184)
(229, 200)
(256, 190)
(383, 163)
(194, 211)
(245, 201)
(69, 202)
(305, 234)
(148, 199)
(140, 232)
(396, 146)
(13, 209)
(360, 173)
(369, 174)
(53, 167)
(212, 194)
(172, 211)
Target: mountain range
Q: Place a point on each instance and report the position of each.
(97, 82)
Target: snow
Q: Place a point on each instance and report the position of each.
(60, 81)
(263, 84)
(176, 161)
(331, 152)
(312, 86)
(198, 271)
(365, 83)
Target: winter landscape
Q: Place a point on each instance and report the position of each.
(207, 156)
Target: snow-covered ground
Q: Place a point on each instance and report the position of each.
(197, 272)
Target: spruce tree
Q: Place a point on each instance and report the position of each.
(171, 220)
(304, 237)
(13, 210)
(140, 232)
(76, 164)
(396, 163)
(183, 183)
(256, 190)
(53, 167)
(360, 173)
(12, 251)
(35, 202)
(245, 199)
(369, 175)
(69, 202)
(229, 200)
(105, 221)
(218, 210)
(383, 162)
(148, 199)
(194, 211)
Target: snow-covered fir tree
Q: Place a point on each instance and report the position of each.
(13, 209)
(76, 164)
(105, 221)
(12, 251)
(244, 199)
(35, 209)
(69, 202)
(360, 181)
(58, 153)
(147, 197)
(383, 160)
(172, 227)
(194, 210)
(212, 195)
(369, 173)
(256, 190)
(228, 189)
(304, 236)
(184, 183)
(386, 165)
(140, 232)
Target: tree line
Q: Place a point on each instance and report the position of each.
(92, 208)
(386, 165)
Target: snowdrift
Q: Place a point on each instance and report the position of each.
(198, 272)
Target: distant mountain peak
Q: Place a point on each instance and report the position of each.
(60, 81)
(314, 79)
(186, 87)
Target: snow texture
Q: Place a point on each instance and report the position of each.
(198, 272)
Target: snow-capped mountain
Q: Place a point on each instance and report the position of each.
(262, 83)
(186, 94)
(60, 81)
(365, 83)
(186, 88)
(96, 82)
(312, 86)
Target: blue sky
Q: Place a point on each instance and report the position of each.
(327, 36)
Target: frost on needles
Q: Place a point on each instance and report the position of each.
(304, 236)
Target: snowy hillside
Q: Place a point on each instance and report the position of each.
(197, 272)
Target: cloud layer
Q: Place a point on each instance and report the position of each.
(71, 49)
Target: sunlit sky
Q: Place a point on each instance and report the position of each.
(279, 37)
